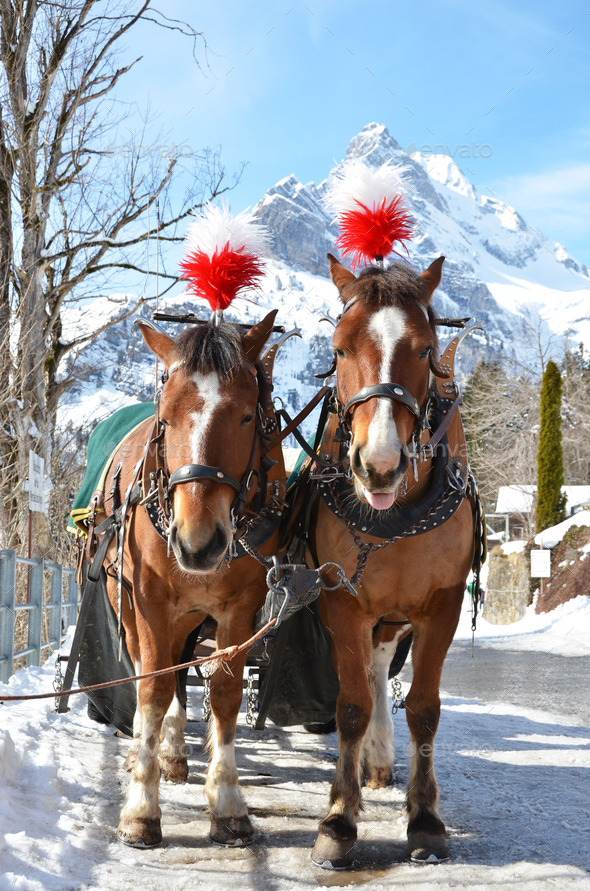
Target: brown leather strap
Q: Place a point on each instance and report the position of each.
(443, 426)
(292, 425)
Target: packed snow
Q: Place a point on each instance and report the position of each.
(513, 786)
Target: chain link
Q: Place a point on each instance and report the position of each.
(58, 680)
(252, 704)
(398, 699)
(206, 698)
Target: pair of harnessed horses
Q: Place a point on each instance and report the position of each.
(210, 467)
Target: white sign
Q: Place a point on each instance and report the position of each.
(36, 483)
(541, 564)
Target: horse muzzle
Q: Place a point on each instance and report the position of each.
(374, 485)
(199, 551)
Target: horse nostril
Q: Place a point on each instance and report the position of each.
(356, 463)
(219, 540)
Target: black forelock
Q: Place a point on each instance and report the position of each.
(206, 348)
(398, 285)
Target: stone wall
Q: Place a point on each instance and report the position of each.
(507, 596)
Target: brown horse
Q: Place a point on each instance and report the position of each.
(205, 472)
(411, 573)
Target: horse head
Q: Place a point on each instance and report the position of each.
(209, 411)
(384, 343)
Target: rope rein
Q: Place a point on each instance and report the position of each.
(219, 656)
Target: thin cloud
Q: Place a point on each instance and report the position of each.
(555, 200)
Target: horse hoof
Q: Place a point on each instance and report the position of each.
(174, 770)
(424, 848)
(334, 844)
(231, 831)
(130, 759)
(321, 727)
(378, 777)
(139, 833)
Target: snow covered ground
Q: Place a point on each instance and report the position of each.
(514, 793)
(564, 631)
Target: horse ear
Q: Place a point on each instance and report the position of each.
(158, 341)
(341, 276)
(254, 339)
(431, 278)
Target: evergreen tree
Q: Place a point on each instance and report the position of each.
(550, 499)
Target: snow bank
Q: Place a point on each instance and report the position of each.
(564, 631)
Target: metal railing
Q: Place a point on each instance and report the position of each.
(50, 607)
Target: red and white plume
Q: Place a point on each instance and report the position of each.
(370, 211)
(223, 255)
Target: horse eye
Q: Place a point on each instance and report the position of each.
(164, 422)
(247, 419)
(425, 353)
(340, 353)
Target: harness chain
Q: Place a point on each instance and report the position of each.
(365, 548)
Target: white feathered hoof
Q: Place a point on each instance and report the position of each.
(138, 833)
(231, 831)
(174, 770)
(131, 758)
(378, 777)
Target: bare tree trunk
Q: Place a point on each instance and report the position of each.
(73, 214)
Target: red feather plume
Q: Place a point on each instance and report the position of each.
(223, 255)
(368, 233)
(219, 277)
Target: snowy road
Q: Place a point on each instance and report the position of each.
(532, 680)
(514, 793)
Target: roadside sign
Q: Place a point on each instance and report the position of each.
(36, 483)
(541, 564)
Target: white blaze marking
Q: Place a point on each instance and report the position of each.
(209, 389)
(387, 327)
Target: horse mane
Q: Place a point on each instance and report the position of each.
(398, 285)
(206, 348)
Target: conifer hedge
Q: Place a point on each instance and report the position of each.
(550, 479)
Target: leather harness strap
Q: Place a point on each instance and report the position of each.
(294, 423)
(391, 391)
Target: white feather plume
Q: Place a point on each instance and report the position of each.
(214, 227)
(355, 181)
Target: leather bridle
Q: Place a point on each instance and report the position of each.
(397, 393)
(188, 473)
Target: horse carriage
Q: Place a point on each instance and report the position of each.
(193, 523)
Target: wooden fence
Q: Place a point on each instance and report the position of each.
(38, 600)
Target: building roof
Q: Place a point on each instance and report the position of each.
(518, 499)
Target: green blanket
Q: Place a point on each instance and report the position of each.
(102, 443)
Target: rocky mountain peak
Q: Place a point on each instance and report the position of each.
(374, 145)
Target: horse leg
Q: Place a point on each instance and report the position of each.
(134, 747)
(338, 830)
(379, 745)
(427, 839)
(230, 824)
(139, 824)
(172, 754)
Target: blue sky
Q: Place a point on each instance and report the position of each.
(284, 86)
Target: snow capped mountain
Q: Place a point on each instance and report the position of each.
(518, 284)
(498, 269)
